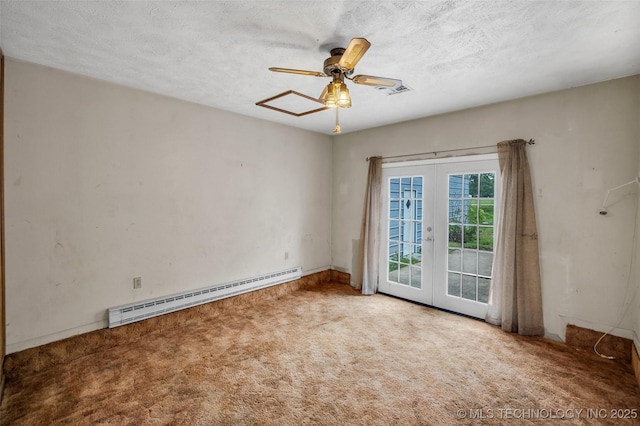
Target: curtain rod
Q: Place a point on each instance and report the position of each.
(529, 142)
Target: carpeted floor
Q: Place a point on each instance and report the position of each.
(329, 356)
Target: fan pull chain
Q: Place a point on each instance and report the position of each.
(337, 129)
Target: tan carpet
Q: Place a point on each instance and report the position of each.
(327, 355)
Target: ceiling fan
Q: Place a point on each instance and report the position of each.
(339, 66)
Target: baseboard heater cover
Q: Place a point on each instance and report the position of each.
(138, 311)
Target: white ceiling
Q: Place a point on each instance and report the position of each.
(453, 54)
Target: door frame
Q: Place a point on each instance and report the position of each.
(429, 299)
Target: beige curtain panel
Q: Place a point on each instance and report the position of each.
(515, 299)
(367, 267)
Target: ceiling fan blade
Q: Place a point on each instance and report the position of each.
(302, 72)
(353, 53)
(369, 80)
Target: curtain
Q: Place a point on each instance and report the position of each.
(515, 298)
(369, 250)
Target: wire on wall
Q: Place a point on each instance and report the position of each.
(603, 209)
(634, 243)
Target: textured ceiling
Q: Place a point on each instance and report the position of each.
(453, 54)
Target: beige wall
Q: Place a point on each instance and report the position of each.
(586, 142)
(106, 183)
(636, 269)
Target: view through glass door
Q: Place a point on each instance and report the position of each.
(438, 225)
(407, 245)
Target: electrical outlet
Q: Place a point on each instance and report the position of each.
(137, 282)
(286, 255)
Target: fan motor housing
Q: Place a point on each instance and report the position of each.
(331, 65)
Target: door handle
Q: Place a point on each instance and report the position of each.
(428, 239)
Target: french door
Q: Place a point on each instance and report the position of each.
(438, 232)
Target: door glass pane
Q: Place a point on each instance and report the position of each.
(405, 230)
(469, 261)
(403, 274)
(455, 236)
(418, 212)
(470, 237)
(394, 188)
(453, 284)
(394, 230)
(455, 259)
(470, 211)
(417, 186)
(406, 187)
(485, 238)
(393, 251)
(469, 287)
(404, 253)
(393, 272)
(471, 186)
(483, 289)
(455, 186)
(406, 209)
(416, 278)
(485, 260)
(416, 257)
(471, 228)
(487, 181)
(394, 256)
(394, 209)
(455, 211)
(485, 212)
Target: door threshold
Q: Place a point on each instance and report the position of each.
(432, 307)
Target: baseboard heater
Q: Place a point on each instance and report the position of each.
(133, 312)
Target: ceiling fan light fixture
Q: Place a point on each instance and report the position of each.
(329, 96)
(344, 99)
(338, 66)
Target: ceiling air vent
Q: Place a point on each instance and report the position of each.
(401, 88)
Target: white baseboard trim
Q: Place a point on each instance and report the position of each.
(552, 336)
(315, 270)
(53, 337)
